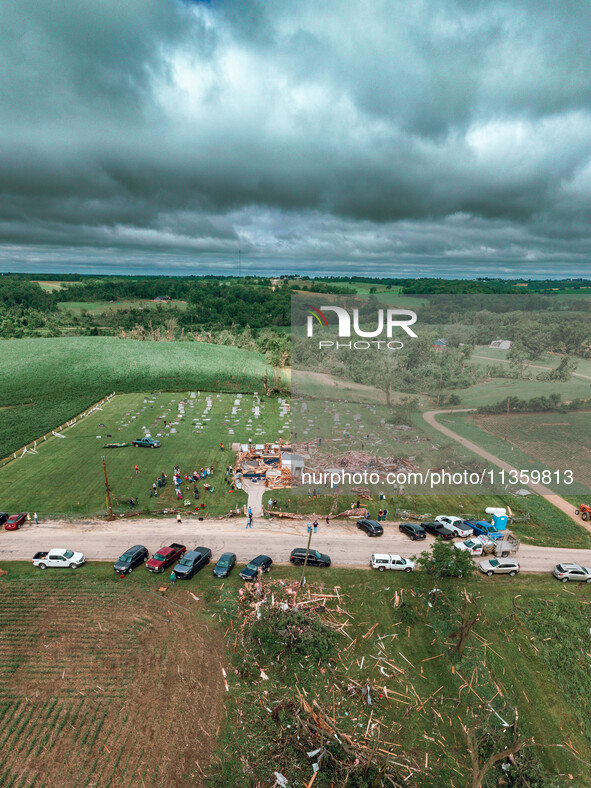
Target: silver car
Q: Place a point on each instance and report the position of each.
(566, 572)
(499, 566)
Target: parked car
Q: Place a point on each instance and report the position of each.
(477, 545)
(566, 572)
(499, 566)
(414, 530)
(3, 517)
(59, 558)
(132, 558)
(383, 561)
(260, 564)
(165, 557)
(148, 443)
(225, 565)
(15, 521)
(371, 527)
(455, 524)
(438, 529)
(482, 528)
(192, 562)
(298, 557)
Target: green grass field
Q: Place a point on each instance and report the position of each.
(66, 476)
(49, 381)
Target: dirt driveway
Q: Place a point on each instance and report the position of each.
(105, 541)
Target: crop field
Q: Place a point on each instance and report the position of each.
(557, 440)
(104, 682)
(66, 476)
(48, 381)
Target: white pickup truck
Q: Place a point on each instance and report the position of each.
(59, 557)
(383, 561)
(482, 545)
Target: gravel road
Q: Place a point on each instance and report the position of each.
(105, 541)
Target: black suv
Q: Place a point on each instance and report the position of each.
(3, 517)
(298, 557)
(413, 530)
(135, 556)
(439, 529)
(225, 565)
(371, 527)
(262, 563)
(192, 562)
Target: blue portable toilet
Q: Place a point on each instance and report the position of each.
(500, 521)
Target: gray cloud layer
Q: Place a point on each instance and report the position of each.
(386, 131)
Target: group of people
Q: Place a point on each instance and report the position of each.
(160, 482)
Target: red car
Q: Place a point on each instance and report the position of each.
(15, 521)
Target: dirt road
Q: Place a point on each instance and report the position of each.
(541, 489)
(104, 541)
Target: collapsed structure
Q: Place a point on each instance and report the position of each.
(274, 464)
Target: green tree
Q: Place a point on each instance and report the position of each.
(443, 560)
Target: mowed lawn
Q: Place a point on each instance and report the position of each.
(66, 476)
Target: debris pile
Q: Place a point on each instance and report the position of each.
(341, 725)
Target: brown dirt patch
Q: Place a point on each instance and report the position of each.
(123, 684)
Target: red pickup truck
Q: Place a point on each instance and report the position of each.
(165, 557)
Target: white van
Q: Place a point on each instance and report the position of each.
(383, 561)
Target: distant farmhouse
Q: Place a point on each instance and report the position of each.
(501, 344)
(440, 345)
(162, 298)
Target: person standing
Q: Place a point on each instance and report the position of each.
(172, 578)
(137, 469)
(380, 516)
(315, 526)
(36, 519)
(385, 514)
(328, 519)
(250, 512)
(178, 518)
(221, 446)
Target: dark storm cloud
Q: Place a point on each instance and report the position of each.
(386, 131)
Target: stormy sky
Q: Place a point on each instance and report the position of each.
(386, 136)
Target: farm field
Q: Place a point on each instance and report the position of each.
(49, 381)
(66, 476)
(557, 440)
(527, 450)
(104, 682)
